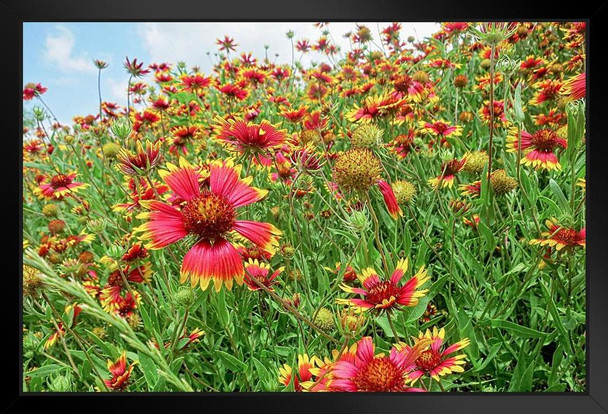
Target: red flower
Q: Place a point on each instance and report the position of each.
(539, 148)
(387, 295)
(245, 136)
(260, 271)
(135, 69)
(195, 82)
(234, 91)
(32, 90)
(209, 213)
(120, 373)
(374, 373)
(227, 43)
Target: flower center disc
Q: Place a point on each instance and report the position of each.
(544, 140)
(208, 216)
(428, 360)
(379, 375)
(60, 181)
(381, 292)
(567, 236)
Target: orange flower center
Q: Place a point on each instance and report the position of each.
(383, 291)
(403, 83)
(379, 375)
(428, 360)
(208, 216)
(569, 237)
(544, 140)
(60, 181)
(452, 167)
(115, 279)
(440, 127)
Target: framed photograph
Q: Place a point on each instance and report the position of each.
(362, 207)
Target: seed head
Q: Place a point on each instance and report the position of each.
(366, 136)
(404, 191)
(501, 183)
(357, 169)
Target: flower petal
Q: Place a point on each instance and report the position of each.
(220, 262)
(224, 181)
(164, 226)
(182, 180)
(261, 234)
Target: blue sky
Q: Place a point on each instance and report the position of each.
(60, 55)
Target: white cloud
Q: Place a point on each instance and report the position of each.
(60, 52)
(115, 90)
(190, 42)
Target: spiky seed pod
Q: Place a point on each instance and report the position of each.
(476, 161)
(461, 81)
(357, 169)
(110, 150)
(56, 226)
(324, 319)
(184, 296)
(310, 136)
(31, 281)
(404, 191)
(366, 136)
(421, 76)
(501, 183)
(50, 210)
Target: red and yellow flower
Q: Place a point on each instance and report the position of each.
(436, 360)
(260, 271)
(121, 373)
(561, 237)
(386, 295)
(208, 212)
(538, 148)
(244, 136)
(575, 87)
(58, 186)
(303, 375)
(441, 129)
(448, 173)
(371, 372)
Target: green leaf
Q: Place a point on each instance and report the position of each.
(222, 309)
(148, 367)
(231, 362)
(558, 356)
(489, 240)
(519, 330)
(491, 354)
(563, 333)
(559, 194)
(45, 370)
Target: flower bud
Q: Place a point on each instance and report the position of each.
(184, 296)
(50, 210)
(110, 150)
(359, 221)
(60, 383)
(121, 128)
(324, 319)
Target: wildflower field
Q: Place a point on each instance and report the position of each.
(404, 215)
